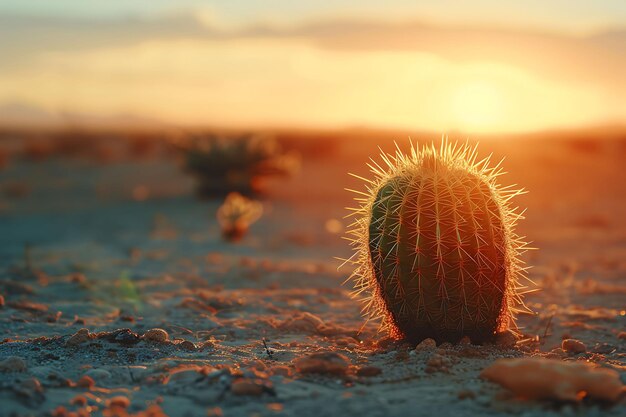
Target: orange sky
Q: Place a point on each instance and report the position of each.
(187, 69)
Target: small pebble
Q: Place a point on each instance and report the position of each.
(277, 407)
(368, 371)
(258, 365)
(465, 394)
(79, 400)
(437, 363)
(119, 402)
(60, 411)
(13, 364)
(247, 387)
(573, 346)
(323, 363)
(187, 345)
(79, 337)
(556, 353)
(86, 382)
(281, 370)
(621, 336)
(426, 344)
(215, 412)
(78, 278)
(126, 337)
(156, 335)
(465, 341)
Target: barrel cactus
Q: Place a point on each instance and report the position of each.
(237, 214)
(436, 254)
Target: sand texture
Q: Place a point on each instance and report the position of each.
(117, 244)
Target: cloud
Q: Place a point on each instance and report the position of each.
(596, 57)
(585, 58)
(327, 73)
(24, 38)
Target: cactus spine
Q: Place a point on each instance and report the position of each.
(436, 254)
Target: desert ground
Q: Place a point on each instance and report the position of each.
(107, 235)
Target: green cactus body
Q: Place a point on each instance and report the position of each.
(436, 253)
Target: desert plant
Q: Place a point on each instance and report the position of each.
(237, 214)
(224, 164)
(4, 158)
(435, 251)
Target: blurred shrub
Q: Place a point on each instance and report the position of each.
(4, 158)
(240, 163)
(37, 149)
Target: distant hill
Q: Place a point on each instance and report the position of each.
(26, 116)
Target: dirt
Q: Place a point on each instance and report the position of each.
(121, 246)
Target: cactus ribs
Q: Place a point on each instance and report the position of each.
(436, 254)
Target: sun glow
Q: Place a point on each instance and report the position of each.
(263, 82)
(477, 105)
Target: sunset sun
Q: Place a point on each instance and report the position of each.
(477, 105)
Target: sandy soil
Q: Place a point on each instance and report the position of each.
(114, 243)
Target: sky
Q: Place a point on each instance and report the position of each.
(480, 66)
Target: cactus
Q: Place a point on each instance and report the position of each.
(222, 164)
(436, 254)
(237, 214)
